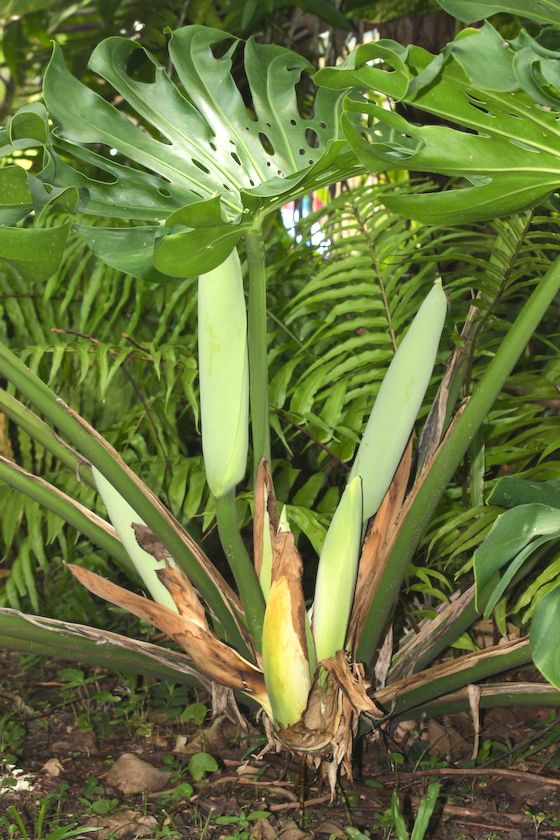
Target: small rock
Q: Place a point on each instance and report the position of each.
(131, 774)
(52, 767)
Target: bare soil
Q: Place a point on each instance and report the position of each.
(64, 731)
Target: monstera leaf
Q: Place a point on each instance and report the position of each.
(543, 11)
(34, 250)
(189, 164)
(509, 149)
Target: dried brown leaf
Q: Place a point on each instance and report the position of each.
(371, 566)
(418, 643)
(265, 502)
(210, 655)
(448, 390)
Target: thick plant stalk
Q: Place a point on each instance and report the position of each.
(224, 411)
(451, 675)
(285, 644)
(223, 375)
(449, 457)
(240, 563)
(123, 518)
(101, 648)
(398, 402)
(258, 349)
(337, 572)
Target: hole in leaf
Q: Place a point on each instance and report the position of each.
(164, 193)
(201, 166)
(213, 146)
(312, 138)
(251, 182)
(305, 94)
(482, 109)
(523, 145)
(102, 174)
(293, 122)
(235, 158)
(140, 68)
(266, 144)
(157, 135)
(227, 187)
(220, 48)
(302, 151)
(323, 124)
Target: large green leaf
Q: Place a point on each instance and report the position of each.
(515, 535)
(511, 491)
(509, 154)
(15, 195)
(35, 247)
(545, 630)
(172, 147)
(543, 11)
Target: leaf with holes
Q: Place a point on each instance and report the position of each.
(34, 250)
(504, 145)
(191, 155)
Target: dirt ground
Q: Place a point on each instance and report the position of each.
(62, 729)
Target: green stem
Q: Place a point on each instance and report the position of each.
(492, 696)
(438, 681)
(239, 561)
(42, 433)
(258, 348)
(450, 456)
(125, 482)
(49, 637)
(70, 511)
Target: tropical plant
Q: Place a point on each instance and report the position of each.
(304, 670)
(503, 93)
